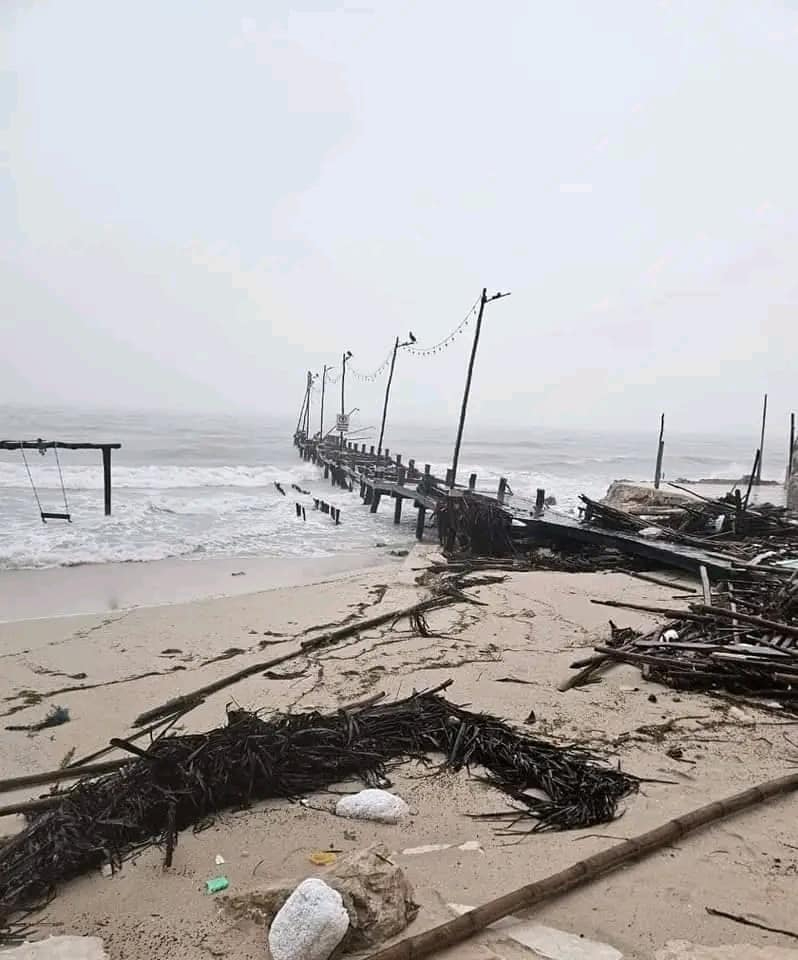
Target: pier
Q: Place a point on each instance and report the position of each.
(361, 469)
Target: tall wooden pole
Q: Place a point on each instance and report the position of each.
(301, 417)
(791, 453)
(321, 418)
(387, 392)
(482, 301)
(307, 410)
(660, 451)
(762, 442)
(343, 381)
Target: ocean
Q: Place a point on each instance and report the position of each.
(193, 485)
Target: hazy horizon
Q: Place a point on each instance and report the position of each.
(203, 201)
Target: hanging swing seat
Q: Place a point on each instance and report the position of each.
(47, 514)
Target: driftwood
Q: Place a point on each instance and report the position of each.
(307, 646)
(454, 931)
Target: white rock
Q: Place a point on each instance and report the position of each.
(59, 948)
(310, 924)
(372, 805)
(548, 942)
(559, 945)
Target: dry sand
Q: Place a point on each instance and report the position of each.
(533, 626)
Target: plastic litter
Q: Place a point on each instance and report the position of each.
(217, 884)
(372, 804)
(322, 858)
(310, 924)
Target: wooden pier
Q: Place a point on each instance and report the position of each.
(359, 469)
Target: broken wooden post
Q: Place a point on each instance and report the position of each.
(660, 451)
(420, 523)
(472, 482)
(371, 451)
(363, 448)
(411, 469)
(502, 489)
(450, 477)
(758, 471)
(540, 501)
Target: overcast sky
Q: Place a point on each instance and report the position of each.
(200, 200)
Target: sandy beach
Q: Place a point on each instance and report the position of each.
(506, 657)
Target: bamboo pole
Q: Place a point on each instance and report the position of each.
(584, 871)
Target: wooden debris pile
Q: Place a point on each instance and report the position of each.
(182, 780)
(743, 640)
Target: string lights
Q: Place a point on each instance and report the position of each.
(443, 344)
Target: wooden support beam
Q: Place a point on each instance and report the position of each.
(369, 494)
(375, 501)
(107, 479)
(500, 493)
(397, 510)
(420, 523)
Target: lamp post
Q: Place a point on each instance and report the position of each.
(396, 347)
(482, 301)
(346, 356)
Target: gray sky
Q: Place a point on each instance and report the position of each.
(201, 200)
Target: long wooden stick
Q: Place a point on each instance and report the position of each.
(325, 640)
(460, 928)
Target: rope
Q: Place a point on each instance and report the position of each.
(30, 477)
(443, 344)
(61, 478)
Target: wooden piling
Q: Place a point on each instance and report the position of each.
(758, 478)
(420, 523)
(411, 467)
(450, 477)
(107, 479)
(472, 482)
(375, 501)
(540, 501)
(500, 493)
(397, 510)
(660, 452)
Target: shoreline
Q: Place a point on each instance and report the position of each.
(98, 588)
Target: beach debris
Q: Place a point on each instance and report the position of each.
(238, 573)
(217, 884)
(469, 845)
(55, 717)
(454, 931)
(750, 922)
(219, 860)
(323, 858)
(547, 942)
(184, 779)
(59, 948)
(686, 950)
(310, 924)
(744, 643)
(372, 804)
(279, 488)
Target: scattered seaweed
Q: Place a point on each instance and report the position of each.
(182, 780)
